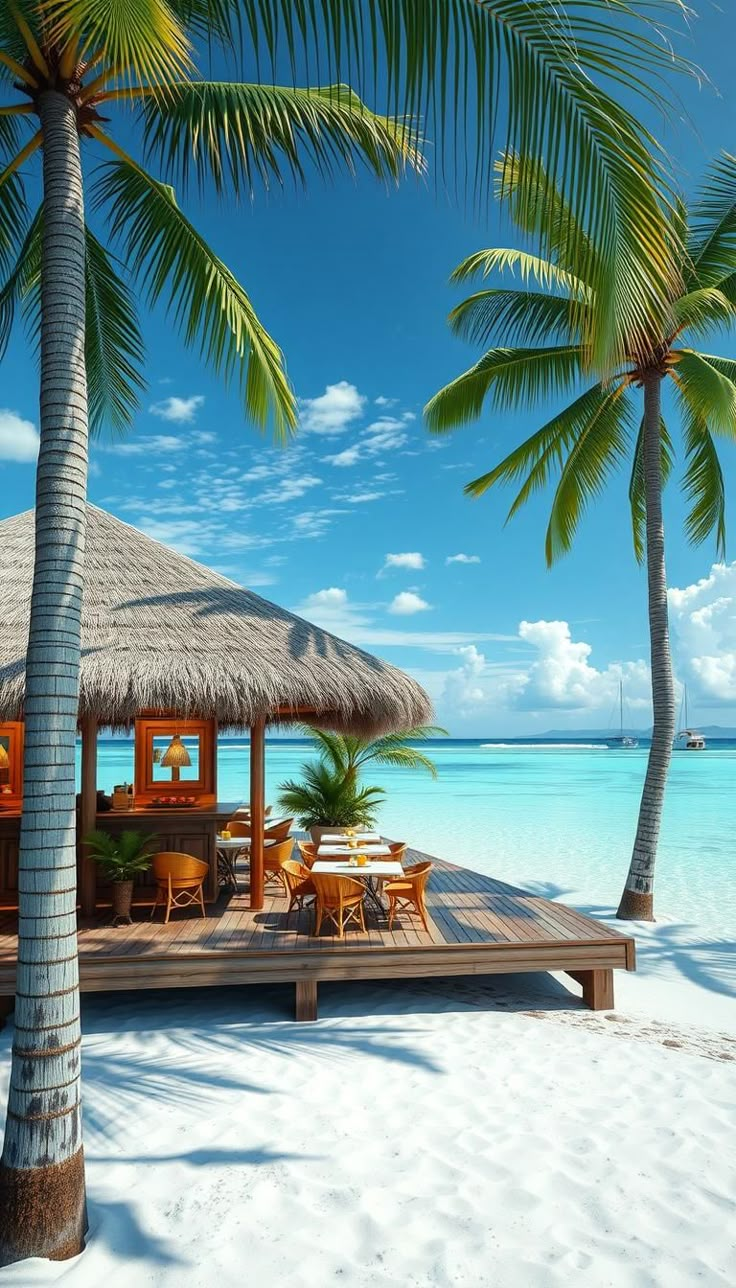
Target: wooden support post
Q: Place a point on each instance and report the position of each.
(597, 988)
(306, 999)
(88, 816)
(257, 810)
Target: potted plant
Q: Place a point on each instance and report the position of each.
(326, 799)
(330, 795)
(121, 859)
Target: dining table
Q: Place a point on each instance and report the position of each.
(375, 870)
(228, 850)
(342, 838)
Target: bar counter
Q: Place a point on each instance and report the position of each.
(190, 831)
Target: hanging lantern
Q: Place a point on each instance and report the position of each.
(175, 756)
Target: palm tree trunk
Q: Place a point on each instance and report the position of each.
(637, 900)
(42, 1195)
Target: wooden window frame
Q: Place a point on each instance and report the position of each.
(13, 730)
(149, 727)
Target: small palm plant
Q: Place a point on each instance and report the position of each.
(543, 325)
(121, 858)
(326, 797)
(349, 754)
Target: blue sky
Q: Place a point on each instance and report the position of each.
(362, 524)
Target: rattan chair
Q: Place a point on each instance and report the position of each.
(339, 900)
(274, 855)
(179, 881)
(278, 831)
(308, 852)
(406, 894)
(298, 882)
(239, 827)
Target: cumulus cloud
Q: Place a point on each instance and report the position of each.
(561, 675)
(387, 434)
(406, 603)
(18, 438)
(350, 456)
(462, 559)
(334, 410)
(703, 618)
(332, 609)
(182, 411)
(409, 559)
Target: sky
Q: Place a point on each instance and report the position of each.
(360, 524)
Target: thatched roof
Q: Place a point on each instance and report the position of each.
(161, 631)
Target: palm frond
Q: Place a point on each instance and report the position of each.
(236, 134)
(704, 486)
(598, 451)
(13, 216)
(707, 307)
(114, 349)
(544, 272)
(509, 377)
(524, 317)
(171, 259)
(144, 40)
(709, 393)
(637, 495)
(711, 243)
(536, 205)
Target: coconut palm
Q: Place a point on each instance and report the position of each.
(542, 324)
(327, 796)
(70, 69)
(349, 754)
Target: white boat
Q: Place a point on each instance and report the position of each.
(688, 739)
(621, 741)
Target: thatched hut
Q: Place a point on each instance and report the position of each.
(163, 633)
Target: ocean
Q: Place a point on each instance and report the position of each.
(555, 817)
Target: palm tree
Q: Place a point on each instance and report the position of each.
(543, 325)
(67, 66)
(348, 754)
(327, 796)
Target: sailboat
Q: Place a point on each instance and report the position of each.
(687, 739)
(622, 741)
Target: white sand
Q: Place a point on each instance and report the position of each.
(438, 1134)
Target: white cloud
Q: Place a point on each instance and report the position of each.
(181, 411)
(332, 609)
(380, 401)
(350, 456)
(703, 618)
(406, 603)
(361, 498)
(147, 444)
(18, 438)
(334, 410)
(410, 559)
(561, 675)
(462, 559)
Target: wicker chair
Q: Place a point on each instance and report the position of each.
(298, 882)
(179, 881)
(308, 852)
(239, 827)
(274, 856)
(339, 900)
(406, 894)
(278, 831)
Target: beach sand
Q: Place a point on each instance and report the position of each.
(437, 1134)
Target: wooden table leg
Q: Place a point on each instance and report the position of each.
(306, 999)
(597, 988)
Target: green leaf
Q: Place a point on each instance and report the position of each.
(702, 310)
(536, 205)
(509, 377)
(171, 259)
(524, 317)
(598, 451)
(235, 134)
(708, 392)
(711, 244)
(114, 351)
(704, 486)
(530, 267)
(637, 495)
(143, 40)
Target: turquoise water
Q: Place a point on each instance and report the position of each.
(558, 819)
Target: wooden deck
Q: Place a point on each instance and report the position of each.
(478, 926)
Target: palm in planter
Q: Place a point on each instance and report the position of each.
(327, 798)
(121, 858)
